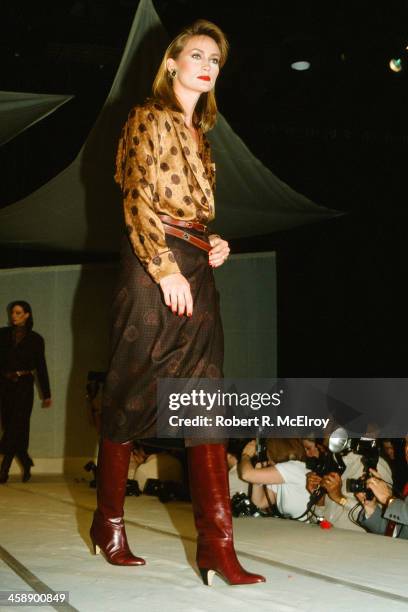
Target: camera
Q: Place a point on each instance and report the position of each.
(369, 451)
(166, 490)
(326, 463)
(241, 505)
(91, 467)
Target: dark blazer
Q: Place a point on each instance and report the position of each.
(397, 512)
(28, 354)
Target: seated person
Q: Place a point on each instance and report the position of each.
(393, 452)
(391, 516)
(337, 503)
(236, 484)
(284, 476)
(154, 463)
(314, 448)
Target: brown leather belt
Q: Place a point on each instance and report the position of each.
(15, 376)
(180, 223)
(178, 233)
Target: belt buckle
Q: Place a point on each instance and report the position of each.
(186, 236)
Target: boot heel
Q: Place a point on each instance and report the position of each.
(95, 549)
(207, 575)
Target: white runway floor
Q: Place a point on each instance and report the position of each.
(44, 545)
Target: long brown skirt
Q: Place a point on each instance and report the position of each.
(149, 342)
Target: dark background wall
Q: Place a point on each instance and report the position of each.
(337, 133)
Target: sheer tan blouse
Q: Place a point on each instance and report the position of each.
(161, 169)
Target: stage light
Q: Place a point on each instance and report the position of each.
(300, 65)
(395, 64)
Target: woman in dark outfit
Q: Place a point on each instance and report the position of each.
(166, 319)
(21, 352)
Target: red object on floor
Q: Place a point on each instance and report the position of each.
(325, 524)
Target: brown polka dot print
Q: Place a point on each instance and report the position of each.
(159, 180)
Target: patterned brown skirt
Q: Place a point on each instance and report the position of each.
(149, 342)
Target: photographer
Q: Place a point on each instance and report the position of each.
(391, 518)
(284, 476)
(337, 504)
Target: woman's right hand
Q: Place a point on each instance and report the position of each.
(177, 294)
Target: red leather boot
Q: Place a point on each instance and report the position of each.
(209, 489)
(108, 533)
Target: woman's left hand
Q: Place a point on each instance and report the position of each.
(219, 252)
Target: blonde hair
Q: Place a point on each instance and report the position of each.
(163, 92)
(285, 449)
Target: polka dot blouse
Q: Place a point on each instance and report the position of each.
(162, 170)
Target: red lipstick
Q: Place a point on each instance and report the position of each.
(204, 78)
